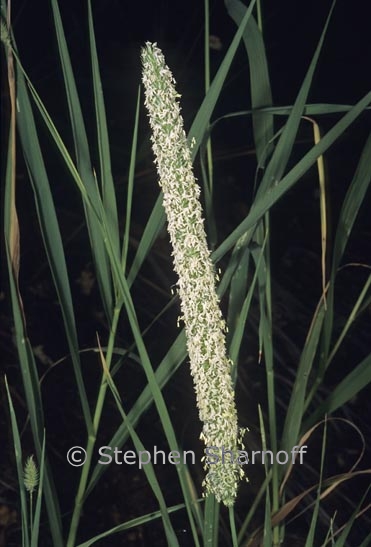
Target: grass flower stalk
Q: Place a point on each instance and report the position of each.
(204, 324)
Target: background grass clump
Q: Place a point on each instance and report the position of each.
(94, 354)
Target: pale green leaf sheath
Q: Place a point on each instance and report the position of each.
(204, 325)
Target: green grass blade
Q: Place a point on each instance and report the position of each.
(19, 464)
(50, 230)
(342, 539)
(366, 542)
(283, 149)
(353, 383)
(84, 166)
(166, 369)
(351, 318)
(133, 523)
(129, 191)
(319, 109)
(211, 527)
(205, 111)
(268, 506)
(309, 542)
(168, 366)
(148, 468)
(352, 203)
(29, 372)
(155, 389)
(261, 95)
(296, 406)
(232, 525)
(108, 187)
(268, 536)
(34, 407)
(36, 520)
(272, 196)
(254, 507)
(97, 210)
(233, 265)
(238, 305)
(208, 171)
(152, 230)
(262, 261)
(237, 281)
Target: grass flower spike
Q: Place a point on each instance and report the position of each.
(205, 327)
(31, 475)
